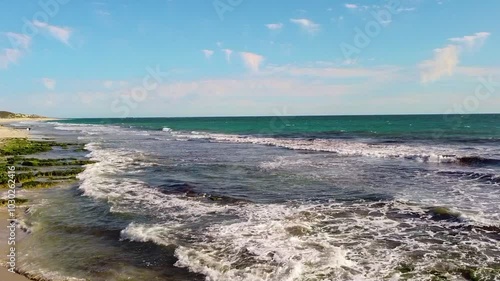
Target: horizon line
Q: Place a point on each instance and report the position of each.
(284, 115)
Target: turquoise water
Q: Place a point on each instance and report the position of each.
(411, 126)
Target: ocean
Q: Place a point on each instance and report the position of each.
(282, 198)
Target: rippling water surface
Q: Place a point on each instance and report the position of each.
(288, 198)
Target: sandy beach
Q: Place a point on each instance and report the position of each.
(8, 132)
(14, 120)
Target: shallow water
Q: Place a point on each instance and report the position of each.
(175, 204)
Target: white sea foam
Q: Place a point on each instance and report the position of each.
(277, 242)
(269, 244)
(438, 154)
(267, 241)
(96, 180)
(164, 234)
(100, 181)
(330, 241)
(88, 129)
(281, 162)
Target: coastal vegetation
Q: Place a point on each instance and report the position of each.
(5, 202)
(37, 172)
(11, 115)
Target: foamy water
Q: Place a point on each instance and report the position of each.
(228, 207)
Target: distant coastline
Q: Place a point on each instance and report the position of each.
(12, 115)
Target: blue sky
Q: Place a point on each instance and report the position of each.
(71, 58)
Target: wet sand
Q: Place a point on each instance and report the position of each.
(8, 132)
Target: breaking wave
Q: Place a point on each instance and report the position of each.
(422, 153)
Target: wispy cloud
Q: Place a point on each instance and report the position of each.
(110, 84)
(48, 83)
(408, 9)
(252, 61)
(274, 26)
(444, 63)
(248, 87)
(208, 53)
(472, 41)
(351, 6)
(9, 56)
(475, 71)
(228, 53)
(328, 71)
(446, 59)
(307, 25)
(19, 41)
(103, 13)
(60, 33)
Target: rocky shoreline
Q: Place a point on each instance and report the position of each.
(32, 171)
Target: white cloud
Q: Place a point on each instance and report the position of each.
(108, 84)
(472, 41)
(274, 26)
(410, 9)
(350, 61)
(62, 34)
(208, 53)
(306, 25)
(91, 98)
(19, 41)
(9, 56)
(48, 83)
(444, 63)
(20, 44)
(446, 59)
(477, 71)
(228, 53)
(215, 89)
(326, 70)
(252, 61)
(351, 6)
(113, 84)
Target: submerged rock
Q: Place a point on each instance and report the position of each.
(480, 274)
(443, 213)
(298, 230)
(405, 267)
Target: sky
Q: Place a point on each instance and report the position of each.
(103, 58)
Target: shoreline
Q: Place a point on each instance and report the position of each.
(13, 120)
(7, 133)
